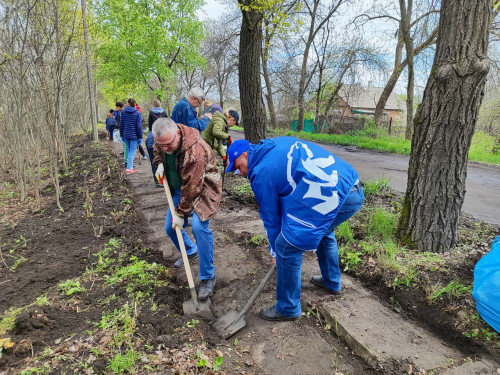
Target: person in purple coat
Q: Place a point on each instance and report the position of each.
(131, 132)
(211, 107)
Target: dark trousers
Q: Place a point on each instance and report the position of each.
(111, 129)
(149, 145)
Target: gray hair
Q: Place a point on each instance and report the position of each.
(196, 92)
(163, 126)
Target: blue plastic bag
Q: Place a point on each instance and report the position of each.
(486, 290)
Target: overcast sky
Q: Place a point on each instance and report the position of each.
(210, 10)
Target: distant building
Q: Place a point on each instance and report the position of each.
(355, 100)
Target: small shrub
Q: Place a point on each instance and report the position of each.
(70, 287)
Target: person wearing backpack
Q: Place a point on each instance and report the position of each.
(110, 124)
(155, 113)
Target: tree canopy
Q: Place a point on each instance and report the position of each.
(144, 42)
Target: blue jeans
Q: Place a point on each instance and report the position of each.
(131, 148)
(203, 236)
(149, 146)
(289, 259)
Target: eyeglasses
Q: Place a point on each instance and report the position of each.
(165, 145)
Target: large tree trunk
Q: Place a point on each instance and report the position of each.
(444, 125)
(252, 106)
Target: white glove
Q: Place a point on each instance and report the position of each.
(159, 172)
(177, 221)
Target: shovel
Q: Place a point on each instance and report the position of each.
(233, 321)
(224, 165)
(192, 306)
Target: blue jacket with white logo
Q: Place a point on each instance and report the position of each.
(300, 188)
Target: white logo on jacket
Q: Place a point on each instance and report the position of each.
(316, 167)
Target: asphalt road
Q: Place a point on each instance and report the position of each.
(482, 197)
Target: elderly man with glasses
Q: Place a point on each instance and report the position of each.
(189, 166)
(184, 112)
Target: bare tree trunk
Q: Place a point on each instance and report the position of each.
(406, 11)
(269, 94)
(252, 106)
(267, 79)
(93, 113)
(444, 126)
(313, 30)
(386, 92)
(398, 68)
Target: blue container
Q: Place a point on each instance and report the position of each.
(486, 290)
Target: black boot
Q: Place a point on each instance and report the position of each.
(271, 314)
(206, 288)
(318, 281)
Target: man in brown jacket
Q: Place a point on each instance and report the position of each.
(189, 165)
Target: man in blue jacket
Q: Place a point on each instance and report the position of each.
(304, 193)
(184, 112)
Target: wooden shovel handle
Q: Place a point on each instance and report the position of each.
(185, 258)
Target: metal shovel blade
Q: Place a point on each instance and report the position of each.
(199, 308)
(229, 324)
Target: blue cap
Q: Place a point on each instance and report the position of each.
(235, 150)
(234, 115)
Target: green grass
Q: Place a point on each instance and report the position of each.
(124, 363)
(382, 142)
(139, 274)
(382, 224)
(344, 232)
(376, 187)
(453, 289)
(481, 149)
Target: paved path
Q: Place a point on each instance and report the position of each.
(388, 342)
(482, 198)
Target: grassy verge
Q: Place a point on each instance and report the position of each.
(373, 138)
(369, 250)
(441, 283)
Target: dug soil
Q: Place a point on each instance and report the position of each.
(75, 295)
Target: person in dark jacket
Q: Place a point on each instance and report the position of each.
(304, 193)
(131, 132)
(184, 112)
(156, 113)
(110, 124)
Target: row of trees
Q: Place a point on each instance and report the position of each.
(42, 89)
(304, 50)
